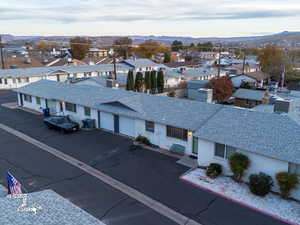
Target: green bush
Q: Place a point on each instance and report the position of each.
(172, 94)
(239, 163)
(260, 184)
(286, 182)
(214, 170)
(143, 140)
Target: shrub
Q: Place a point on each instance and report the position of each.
(286, 182)
(143, 140)
(260, 184)
(214, 170)
(172, 94)
(239, 163)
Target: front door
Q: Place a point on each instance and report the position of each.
(195, 146)
(116, 124)
(21, 99)
(99, 125)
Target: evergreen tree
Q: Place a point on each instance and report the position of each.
(130, 81)
(139, 81)
(153, 81)
(167, 57)
(147, 80)
(160, 81)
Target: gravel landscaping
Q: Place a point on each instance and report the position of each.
(54, 210)
(272, 204)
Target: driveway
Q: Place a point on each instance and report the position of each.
(154, 174)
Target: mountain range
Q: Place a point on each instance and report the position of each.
(286, 35)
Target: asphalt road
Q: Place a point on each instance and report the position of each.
(156, 175)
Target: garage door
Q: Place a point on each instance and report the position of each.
(107, 121)
(126, 126)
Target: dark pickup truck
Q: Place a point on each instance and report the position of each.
(61, 123)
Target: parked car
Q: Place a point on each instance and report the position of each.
(61, 123)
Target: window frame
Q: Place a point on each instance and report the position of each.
(87, 111)
(177, 133)
(149, 126)
(27, 98)
(38, 100)
(292, 170)
(73, 107)
(226, 150)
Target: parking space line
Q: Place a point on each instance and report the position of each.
(133, 193)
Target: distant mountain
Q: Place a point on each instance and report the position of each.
(216, 39)
(286, 35)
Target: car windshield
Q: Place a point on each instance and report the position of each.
(60, 120)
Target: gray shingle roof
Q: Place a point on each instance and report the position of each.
(272, 135)
(249, 94)
(40, 71)
(161, 109)
(140, 62)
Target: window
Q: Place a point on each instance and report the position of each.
(14, 80)
(38, 100)
(294, 168)
(149, 126)
(70, 107)
(27, 98)
(19, 80)
(0, 80)
(27, 79)
(5, 81)
(178, 133)
(87, 111)
(224, 151)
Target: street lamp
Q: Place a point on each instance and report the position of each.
(112, 53)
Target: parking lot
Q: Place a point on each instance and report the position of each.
(154, 174)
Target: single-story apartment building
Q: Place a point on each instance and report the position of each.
(208, 131)
(14, 78)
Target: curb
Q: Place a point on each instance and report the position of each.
(238, 202)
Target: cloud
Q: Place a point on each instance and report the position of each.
(74, 11)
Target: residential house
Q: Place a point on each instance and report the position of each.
(201, 73)
(256, 79)
(249, 98)
(196, 91)
(97, 53)
(211, 132)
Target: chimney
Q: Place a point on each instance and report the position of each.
(283, 106)
(111, 83)
(205, 95)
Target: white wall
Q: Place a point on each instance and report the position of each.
(259, 163)
(159, 136)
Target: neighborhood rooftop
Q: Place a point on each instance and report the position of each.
(243, 93)
(273, 135)
(38, 71)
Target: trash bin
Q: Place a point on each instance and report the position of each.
(46, 112)
(89, 123)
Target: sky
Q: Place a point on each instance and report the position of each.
(195, 18)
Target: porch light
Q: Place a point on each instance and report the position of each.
(190, 133)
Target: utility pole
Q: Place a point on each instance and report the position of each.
(115, 67)
(1, 52)
(244, 62)
(219, 63)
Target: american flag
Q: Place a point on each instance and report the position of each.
(14, 186)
